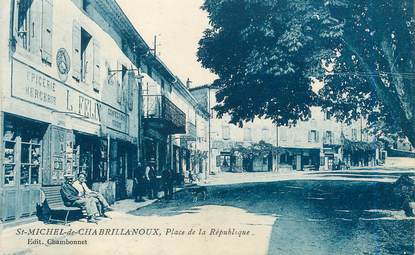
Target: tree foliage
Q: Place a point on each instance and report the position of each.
(267, 54)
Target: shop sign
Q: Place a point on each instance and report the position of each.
(84, 106)
(96, 111)
(115, 119)
(33, 86)
(36, 87)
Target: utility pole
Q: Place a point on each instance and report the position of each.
(277, 145)
(209, 145)
(155, 45)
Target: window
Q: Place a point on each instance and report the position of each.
(328, 137)
(354, 134)
(225, 132)
(23, 23)
(247, 134)
(22, 152)
(313, 136)
(85, 4)
(327, 115)
(282, 132)
(162, 84)
(150, 71)
(85, 55)
(265, 134)
(33, 27)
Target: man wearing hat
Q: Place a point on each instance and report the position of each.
(71, 197)
(84, 191)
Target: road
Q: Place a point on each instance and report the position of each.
(310, 216)
(349, 212)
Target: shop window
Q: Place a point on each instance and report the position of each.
(22, 152)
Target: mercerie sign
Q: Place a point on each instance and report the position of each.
(33, 86)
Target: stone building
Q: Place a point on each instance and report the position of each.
(69, 99)
(320, 143)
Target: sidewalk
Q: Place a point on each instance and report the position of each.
(12, 243)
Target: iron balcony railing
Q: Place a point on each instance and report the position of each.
(158, 107)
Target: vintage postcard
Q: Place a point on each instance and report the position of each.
(211, 127)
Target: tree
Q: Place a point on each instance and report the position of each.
(268, 53)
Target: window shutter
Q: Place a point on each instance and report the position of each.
(15, 18)
(46, 42)
(119, 82)
(131, 80)
(76, 50)
(317, 137)
(35, 27)
(96, 81)
(309, 136)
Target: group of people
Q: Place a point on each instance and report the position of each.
(146, 183)
(76, 193)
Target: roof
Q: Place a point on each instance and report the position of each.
(113, 14)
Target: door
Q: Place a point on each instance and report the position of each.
(120, 182)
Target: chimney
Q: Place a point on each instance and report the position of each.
(188, 82)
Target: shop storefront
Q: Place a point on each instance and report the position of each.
(49, 129)
(22, 163)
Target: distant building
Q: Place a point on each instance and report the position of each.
(318, 144)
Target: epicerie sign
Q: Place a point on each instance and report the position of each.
(33, 86)
(36, 87)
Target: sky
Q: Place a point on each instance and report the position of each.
(179, 25)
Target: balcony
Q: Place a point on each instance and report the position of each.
(161, 114)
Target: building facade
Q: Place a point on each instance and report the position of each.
(69, 99)
(320, 143)
(174, 132)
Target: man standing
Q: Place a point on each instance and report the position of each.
(151, 179)
(71, 197)
(139, 187)
(167, 180)
(84, 191)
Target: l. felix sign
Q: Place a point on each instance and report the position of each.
(36, 87)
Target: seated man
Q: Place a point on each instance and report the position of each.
(84, 191)
(70, 197)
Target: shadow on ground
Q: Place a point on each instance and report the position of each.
(313, 216)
